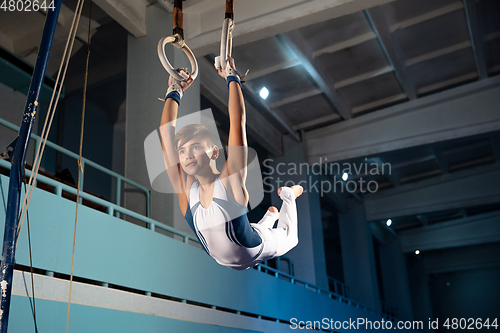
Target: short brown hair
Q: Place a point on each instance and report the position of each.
(189, 132)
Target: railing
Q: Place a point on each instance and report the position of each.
(389, 309)
(151, 224)
(319, 290)
(338, 287)
(119, 178)
(59, 188)
(277, 264)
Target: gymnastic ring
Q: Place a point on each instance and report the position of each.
(178, 42)
(226, 42)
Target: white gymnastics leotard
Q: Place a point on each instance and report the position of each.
(226, 234)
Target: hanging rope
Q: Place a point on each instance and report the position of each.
(51, 110)
(45, 132)
(80, 169)
(31, 266)
(177, 39)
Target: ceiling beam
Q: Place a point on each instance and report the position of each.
(447, 83)
(463, 259)
(438, 53)
(474, 230)
(491, 36)
(345, 44)
(428, 173)
(495, 146)
(427, 16)
(295, 98)
(64, 14)
(412, 161)
(259, 19)
(462, 111)
(409, 62)
(214, 89)
(131, 14)
(476, 37)
(440, 160)
(495, 68)
(392, 175)
(378, 103)
(472, 162)
(472, 146)
(318, 121)
(26, 41)
(466, 188)
(378, 21)
(423, 219)
(272, 69)
(362, 77)
(420, 175)
(167, 5)
(296, 44)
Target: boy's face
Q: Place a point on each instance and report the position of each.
(193, 156)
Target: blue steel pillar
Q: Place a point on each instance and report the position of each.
(18, 160)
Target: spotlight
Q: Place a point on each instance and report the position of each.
(264, 93)
(417, 251)
(345, 176)
(389, 222)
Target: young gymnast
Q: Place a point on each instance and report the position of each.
(215, 203)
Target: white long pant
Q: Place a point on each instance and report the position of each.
(286, 233)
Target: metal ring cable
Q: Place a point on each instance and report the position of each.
(80, 169)
(51, 111)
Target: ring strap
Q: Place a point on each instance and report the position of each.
(178, 18)
(230, 9)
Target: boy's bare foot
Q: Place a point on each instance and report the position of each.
(273, 209)
(297, 190)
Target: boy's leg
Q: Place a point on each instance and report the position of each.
(287, 230)
(278, 241)
(269, 218)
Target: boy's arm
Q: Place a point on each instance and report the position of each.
(177, 176)
(237, 144)
(237, 150)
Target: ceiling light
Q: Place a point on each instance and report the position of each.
(264, 93)
(417, 251)
(389, 222)
(345, 176)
